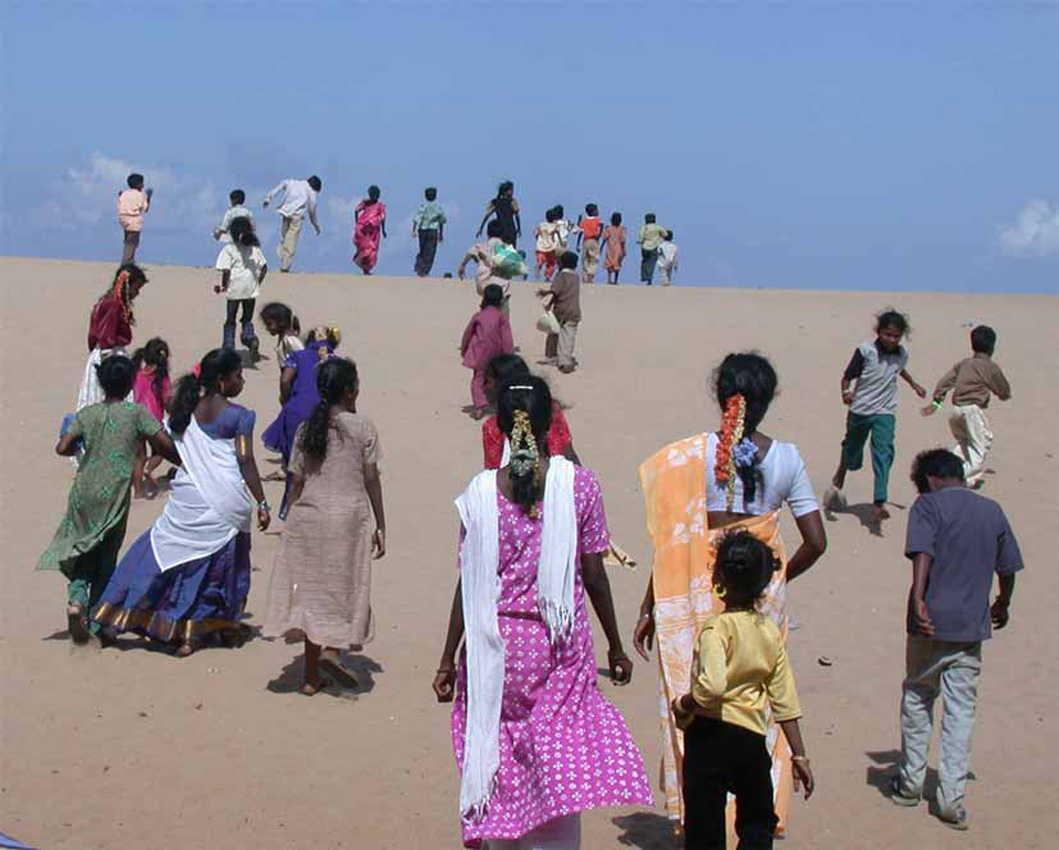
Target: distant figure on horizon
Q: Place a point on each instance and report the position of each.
(651, 235)
(505, 208)
(563, 229)
(589, 229)
(613, 244)
(369, 228)
(545, 246)
(972, 380)
(132, 204)
(299, 197)
(667, 259)
(875, 367)
(482, 253)
(429, 226)
(238, 209)
(487, 335)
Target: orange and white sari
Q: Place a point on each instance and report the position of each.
(674, 488)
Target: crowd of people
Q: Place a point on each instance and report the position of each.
(535, 740)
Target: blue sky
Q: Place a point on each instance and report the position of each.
(847, 145)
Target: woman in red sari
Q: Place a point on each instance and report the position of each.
(369, 229)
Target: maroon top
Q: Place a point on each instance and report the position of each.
(108, 326)
(488, 334)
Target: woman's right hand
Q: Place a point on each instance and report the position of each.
(264, 519)
(445, 684)
(644, 634)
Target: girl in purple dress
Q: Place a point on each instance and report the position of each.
(298, 395)
(535, 740)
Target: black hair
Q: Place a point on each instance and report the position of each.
(334, 378)
(241, 230)
(591, 209)
(136, 275)
(935, 463)
(506, 186)
(154, 354)
(551, 215)
(559, 211)
(431, 193)
(751, 376)
(505, 366)
(492, 296)
(891, 318)
(649, 218)
(745, 567)
(315, 182)
(568, 260)
(374, 192)
(215, 367)
(983, 339)
(494, 230)
(281, 315)
(528, 488)
(116, 375)
(615, 219)
(669, 235)
(237, 196)
(135, 181)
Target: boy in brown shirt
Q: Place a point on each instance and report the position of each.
(972, 381)
(565, 304)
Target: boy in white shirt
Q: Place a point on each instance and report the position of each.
(236, 210)
(667, 259)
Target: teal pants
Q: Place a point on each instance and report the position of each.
(90, 572)
(880, 427)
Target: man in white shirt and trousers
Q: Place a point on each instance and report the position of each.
(298, 196)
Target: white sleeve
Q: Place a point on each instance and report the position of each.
(801, 497)
(224, 259)
(259, 258)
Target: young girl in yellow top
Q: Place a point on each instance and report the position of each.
(740, 669)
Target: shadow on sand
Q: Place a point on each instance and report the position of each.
(647, 831)
(292, 677)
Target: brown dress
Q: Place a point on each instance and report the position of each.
(321, 583)
(615, 237)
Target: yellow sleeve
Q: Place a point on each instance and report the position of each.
(783, 696)
(709, 671)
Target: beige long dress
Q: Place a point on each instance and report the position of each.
(321, 583)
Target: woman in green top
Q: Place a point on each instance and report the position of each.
(85, 548)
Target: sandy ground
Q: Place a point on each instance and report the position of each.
(135, 748)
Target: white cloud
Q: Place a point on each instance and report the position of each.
(1034, 234)
(86, 196)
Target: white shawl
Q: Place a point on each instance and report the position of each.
(209, 504)
(480, 576)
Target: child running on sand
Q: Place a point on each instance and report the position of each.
(972, 381)
(111, 434)
(956, 541)
(152, 389)
(565, 305)
(321, 585)
(589, 229)
(133, 203)
(243, 269)
(545, 234)
(281, 323)
(236, 210)
(488, 334)
(483, 254)
(739, 671)
(869, 389)
(614, 247)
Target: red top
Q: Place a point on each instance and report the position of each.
(493, 438)
(109, 326)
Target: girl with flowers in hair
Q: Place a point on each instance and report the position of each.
(696, 490)
(110, 329)
(535, 740)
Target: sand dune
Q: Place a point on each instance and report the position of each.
(135, 748)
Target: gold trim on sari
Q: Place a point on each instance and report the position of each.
(674, 487)
(155, 625)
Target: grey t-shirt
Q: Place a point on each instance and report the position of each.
(969, 539)
(876, 372)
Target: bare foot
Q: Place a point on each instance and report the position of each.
(185, 650)
(311, 690)
(477, 413)
(77, 623)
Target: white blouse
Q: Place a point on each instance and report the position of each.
(783, 479)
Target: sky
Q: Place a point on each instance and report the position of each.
(850, 145)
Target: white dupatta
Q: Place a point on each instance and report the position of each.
(480, 577)
(209, 504)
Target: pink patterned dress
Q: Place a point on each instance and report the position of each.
(563, 747)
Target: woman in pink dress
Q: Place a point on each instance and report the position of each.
(369, 228)
(535, 740)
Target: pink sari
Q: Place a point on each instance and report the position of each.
(367, 233)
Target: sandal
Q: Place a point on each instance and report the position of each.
(77, 623)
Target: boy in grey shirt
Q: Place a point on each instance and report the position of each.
(956, 541)
(875, 368)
